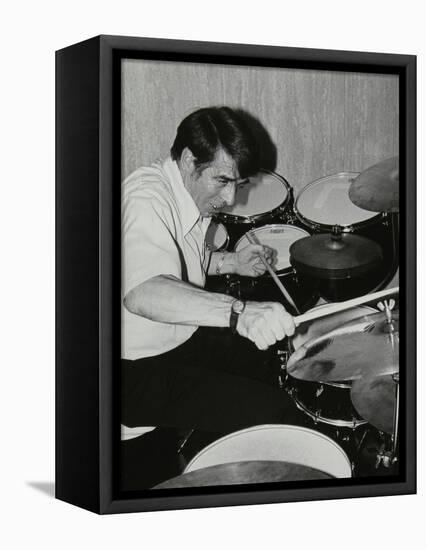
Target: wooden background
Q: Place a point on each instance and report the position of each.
(311, 123)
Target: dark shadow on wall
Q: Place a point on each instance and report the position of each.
(267, 149)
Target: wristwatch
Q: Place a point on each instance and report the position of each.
(237, 307)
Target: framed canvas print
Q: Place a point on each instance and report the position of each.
(235, 274)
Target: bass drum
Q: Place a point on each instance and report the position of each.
(302, 289)
(267, 198)
(276, 442)
(325, 203)
(325, 402)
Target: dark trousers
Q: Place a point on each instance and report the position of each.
(215, 382)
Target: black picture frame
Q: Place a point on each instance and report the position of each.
(88, 273)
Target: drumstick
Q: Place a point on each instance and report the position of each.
(336, 308)
(251, 239)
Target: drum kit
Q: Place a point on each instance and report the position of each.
(336, 243)
(337, 240)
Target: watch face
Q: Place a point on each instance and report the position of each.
(238, 306)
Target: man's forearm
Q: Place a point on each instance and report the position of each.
(166, 299)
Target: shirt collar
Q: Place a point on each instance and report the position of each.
(188, 210)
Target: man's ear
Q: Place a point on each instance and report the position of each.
(187, 160)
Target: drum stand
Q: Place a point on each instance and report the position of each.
(394, 223)
(389, 457)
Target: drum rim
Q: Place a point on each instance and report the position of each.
(264, 427)
(336, 422)
(254, 218)
(327, 227)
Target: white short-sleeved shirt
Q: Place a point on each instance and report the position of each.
(162, 233)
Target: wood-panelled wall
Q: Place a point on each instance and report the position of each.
(311, 123)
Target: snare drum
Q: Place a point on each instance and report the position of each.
(301, 288)
(276, 442)
(266, 199)
(324, 203)
(325, 402)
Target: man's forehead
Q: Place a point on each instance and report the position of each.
(223, 162)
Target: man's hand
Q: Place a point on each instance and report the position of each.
(248, 260)
(264, 323)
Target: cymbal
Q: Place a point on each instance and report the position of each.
(367, 346)
(374, 399)
(335, 255)
(253, 471)
(310, 330)
(377, 188)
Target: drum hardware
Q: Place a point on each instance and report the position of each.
(377, 188)
(282, 360)
(377, 400)
(387, 306)
(185, 440)
(319, 416)
(395, 378)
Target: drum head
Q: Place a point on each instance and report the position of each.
(265, 192)
(326, 202)
(276, 442)
(277, 236)
(216, 236)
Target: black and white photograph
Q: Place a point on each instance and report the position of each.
(260, 261)
(212, 259)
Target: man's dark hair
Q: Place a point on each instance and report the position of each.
(207, 130)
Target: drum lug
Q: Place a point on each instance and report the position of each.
(292, 392)
(283, 359)
(289, 218)
(283, 356)
(319, 391)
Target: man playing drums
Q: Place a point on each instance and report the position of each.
(180, 366)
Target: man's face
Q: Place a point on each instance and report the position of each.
(215, 187)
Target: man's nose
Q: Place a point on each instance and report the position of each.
(229, 194)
